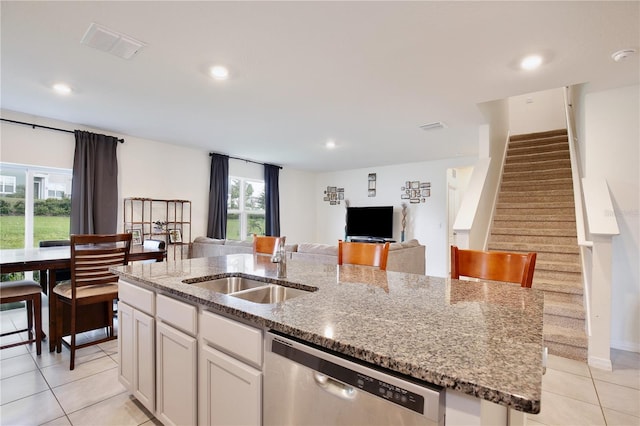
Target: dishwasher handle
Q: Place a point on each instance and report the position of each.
(334, 387)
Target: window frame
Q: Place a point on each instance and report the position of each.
(32, 173)
(242, 212)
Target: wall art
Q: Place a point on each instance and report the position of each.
(415, 191)
(333, 195)
(372, 185)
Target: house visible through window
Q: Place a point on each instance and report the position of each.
(35, 204)
(245, 208)
(7, 184)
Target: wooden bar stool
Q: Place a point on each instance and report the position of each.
(27, 291)
(368, 254)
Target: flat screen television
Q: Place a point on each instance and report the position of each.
(370, 222)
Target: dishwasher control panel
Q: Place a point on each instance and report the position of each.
(390, 392)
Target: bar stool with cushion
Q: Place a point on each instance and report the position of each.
(266, 244)
(91, 283)
(493, 265)
(25, 291)
(367, 254)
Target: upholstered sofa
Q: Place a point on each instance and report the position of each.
(408, 256)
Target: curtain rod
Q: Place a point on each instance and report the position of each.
(211, 154)
(33, 125)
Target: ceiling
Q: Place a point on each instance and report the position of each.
(365, 74)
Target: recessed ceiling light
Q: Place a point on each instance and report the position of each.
(219, 72)
(62, 88)
(330, 144)
(531, 62)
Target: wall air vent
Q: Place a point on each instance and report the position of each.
(433, 126)
(110, 41)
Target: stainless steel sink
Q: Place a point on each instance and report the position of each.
(228, 285)
(269, 294)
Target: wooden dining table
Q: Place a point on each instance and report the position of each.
(47, 260)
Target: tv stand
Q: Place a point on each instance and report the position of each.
(370, 240)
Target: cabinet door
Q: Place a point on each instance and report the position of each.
(144, 383)
(125, 345)
(176, 374)
(230, 392)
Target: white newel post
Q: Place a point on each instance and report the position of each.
(600, 339)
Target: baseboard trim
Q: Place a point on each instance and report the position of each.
(625, 345)
(601, 363)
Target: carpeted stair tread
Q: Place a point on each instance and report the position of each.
(538, 135)
(560, 232)
(526, 175)
(564, 195)
(564, 335)
(538, 248)
(536, 185)
(567, 351)
(535, 211)
(536, 218)
(536, 205)
(570, 310)
(531, 239)
(538, 165)
(532, 158)
(542, 145)
(557, 286)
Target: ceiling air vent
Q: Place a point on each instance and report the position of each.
(433, 126)
(111, 41)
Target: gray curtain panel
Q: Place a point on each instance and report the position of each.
(272, 200)
(94, 188)
(218, 192)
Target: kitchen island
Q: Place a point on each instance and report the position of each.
(481, 341)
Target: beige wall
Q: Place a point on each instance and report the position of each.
(535, 112)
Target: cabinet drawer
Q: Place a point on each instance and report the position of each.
(232, 337)
(179, 314)
(136, 297)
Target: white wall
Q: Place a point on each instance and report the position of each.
(156, 170)
(426, 222)
(493, 140)
(535, 112)
(612, 151)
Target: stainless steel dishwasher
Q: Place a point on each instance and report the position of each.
(308, 386)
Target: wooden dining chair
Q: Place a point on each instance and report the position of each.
(266, 245)
(25, 291)
(368, 254)
(61, 274)
(91, 283)
(493, 265)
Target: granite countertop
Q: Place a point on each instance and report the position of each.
(479, 338)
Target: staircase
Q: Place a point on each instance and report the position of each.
(535, 212)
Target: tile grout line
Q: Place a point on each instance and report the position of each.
(593, 381)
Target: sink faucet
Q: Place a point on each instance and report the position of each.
(280, 258)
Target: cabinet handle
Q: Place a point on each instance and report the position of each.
(333, 386)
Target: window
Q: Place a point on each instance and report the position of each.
(245, 208)
(7, 184)
(35, 205)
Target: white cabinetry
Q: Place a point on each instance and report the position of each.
(176, 351)
(136, 348)
(229, 379)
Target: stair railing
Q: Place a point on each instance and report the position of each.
(575, 173)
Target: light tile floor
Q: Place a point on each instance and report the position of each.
(41, 390)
